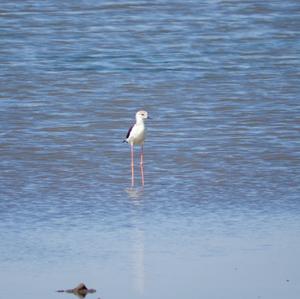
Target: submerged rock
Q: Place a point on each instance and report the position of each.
(81, 290)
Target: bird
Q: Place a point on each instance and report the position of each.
(136, 136)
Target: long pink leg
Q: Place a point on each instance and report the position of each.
(132, 165)
(142, 164)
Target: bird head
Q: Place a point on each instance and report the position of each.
(142, 115)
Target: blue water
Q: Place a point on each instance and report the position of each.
(219, 214)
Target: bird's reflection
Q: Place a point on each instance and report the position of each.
(138, 261)
(135, 193)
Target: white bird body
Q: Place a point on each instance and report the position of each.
(136, 135)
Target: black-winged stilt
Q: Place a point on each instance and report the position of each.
(136, 135)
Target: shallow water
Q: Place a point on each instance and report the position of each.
(219, 214)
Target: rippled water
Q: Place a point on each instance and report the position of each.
(219, 214)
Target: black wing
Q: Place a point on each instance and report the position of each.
(128, 133)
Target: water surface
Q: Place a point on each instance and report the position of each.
(219, 214)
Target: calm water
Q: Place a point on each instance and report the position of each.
(219, 214)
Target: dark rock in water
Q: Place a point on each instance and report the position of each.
(81, 290)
